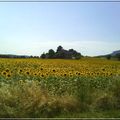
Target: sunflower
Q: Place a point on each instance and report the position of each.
(27, 72)
(42, 75)
(4, 73)
(8, 75)
(7, 70)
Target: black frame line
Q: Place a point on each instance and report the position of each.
(67, 1)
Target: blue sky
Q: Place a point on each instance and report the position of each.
(34, 28)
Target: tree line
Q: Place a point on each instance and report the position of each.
(12, 56)
(117, 56)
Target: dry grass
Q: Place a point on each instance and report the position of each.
(30, 100)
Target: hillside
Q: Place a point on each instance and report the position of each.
(115, 52)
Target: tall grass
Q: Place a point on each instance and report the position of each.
(45, 98)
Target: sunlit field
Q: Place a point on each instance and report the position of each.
(87, 87)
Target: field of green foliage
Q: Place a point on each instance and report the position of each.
(36, 88)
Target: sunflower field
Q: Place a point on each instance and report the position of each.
(54, 87)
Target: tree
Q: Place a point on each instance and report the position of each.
(71, 50)
(75, 54)
(51, 53)
(60, 54)
(59, 48)
(31, 56)
(78, 56)
(118, 56)
(43, 55)
(108, 57)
